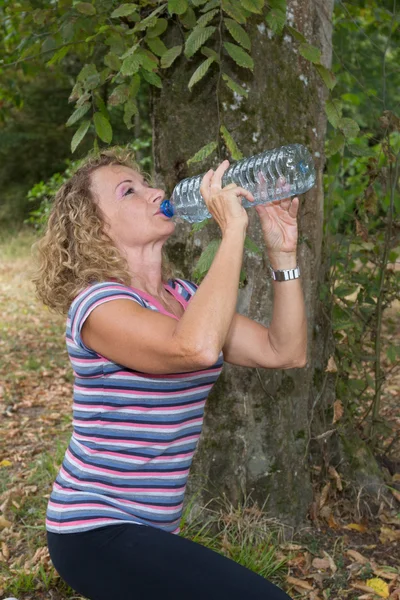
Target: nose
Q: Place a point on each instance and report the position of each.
(157, 196)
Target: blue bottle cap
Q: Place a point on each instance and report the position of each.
(167, 208)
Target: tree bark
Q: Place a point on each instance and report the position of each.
(255, 439)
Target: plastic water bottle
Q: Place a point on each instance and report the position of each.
(269, 176)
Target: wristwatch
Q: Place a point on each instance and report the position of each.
(285, 274)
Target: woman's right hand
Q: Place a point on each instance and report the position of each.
(225, 204)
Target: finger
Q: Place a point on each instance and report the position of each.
(285, 203)
(239, 191)
(205, 182)
(294, 207)
(219, 171)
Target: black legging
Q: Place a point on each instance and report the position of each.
(138, 562)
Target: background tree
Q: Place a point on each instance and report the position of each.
(231, 79)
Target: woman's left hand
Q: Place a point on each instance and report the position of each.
(279, 225)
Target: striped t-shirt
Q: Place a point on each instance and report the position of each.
(134, 433)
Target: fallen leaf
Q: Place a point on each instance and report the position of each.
(389, 535)
(381, 587)
(358, 585)
(337, 411)
(304, 585)
(385, 574)
(5, 463)
(321, 563)
(4, 523)
(332, 564)
(357, 557)
(331, 366)
(5, 551)
(335, 475)
(356, 527)
(324, 494)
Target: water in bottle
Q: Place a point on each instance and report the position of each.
(269, 176)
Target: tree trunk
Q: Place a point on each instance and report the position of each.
(255, 438)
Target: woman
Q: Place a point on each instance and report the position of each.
(146, 350)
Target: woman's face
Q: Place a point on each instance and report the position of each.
(130, 206)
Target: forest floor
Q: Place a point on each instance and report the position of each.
(338, 557)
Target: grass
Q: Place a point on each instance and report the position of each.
(37, 391)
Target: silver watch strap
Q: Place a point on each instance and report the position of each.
(285, 274)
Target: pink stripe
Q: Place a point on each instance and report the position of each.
(141, 474)
(185, 286)
(117, 441)
(160, 491)
(142, 458)
(143, 409)
(149, 426)
(135, 504)
(81, 522)
(123, 475)
(140, 393)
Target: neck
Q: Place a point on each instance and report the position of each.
(145, 267)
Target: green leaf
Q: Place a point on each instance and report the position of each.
(210, 6)
(349, 127)
(360, 150)
(113, 61)
(335, 145)
(130, 51)
(230, 143)
(250, 245)
(157, 46)
(149, 61)
(188, 19)
(204, 19)
(200, 72)
(58, 56)
(78, 114)
(157, 29)
(170, 56)
(152, 78)
(206, 259)
(79, 135)
(310, 52)
(198, 2)
(210, 53)
(203, 153)
(296, 34)
(196, 39)
(276, 20)
(240, 57)
(119, 95)
(130, 109)
(103, 127)
(238, 33)
(89, 76)
(101, 106)
(254, 6)
(199, 226)
(149, 21)
(327, 76)
(177, 7)
(131, 64)
(234, 10)
(235, 87)
(124, 10)
(333, 109)
(85, 8)
(392, 352)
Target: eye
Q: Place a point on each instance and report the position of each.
(129, 191)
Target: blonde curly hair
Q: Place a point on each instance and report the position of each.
(75, 250)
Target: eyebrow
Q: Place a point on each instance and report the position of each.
(129, 181)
